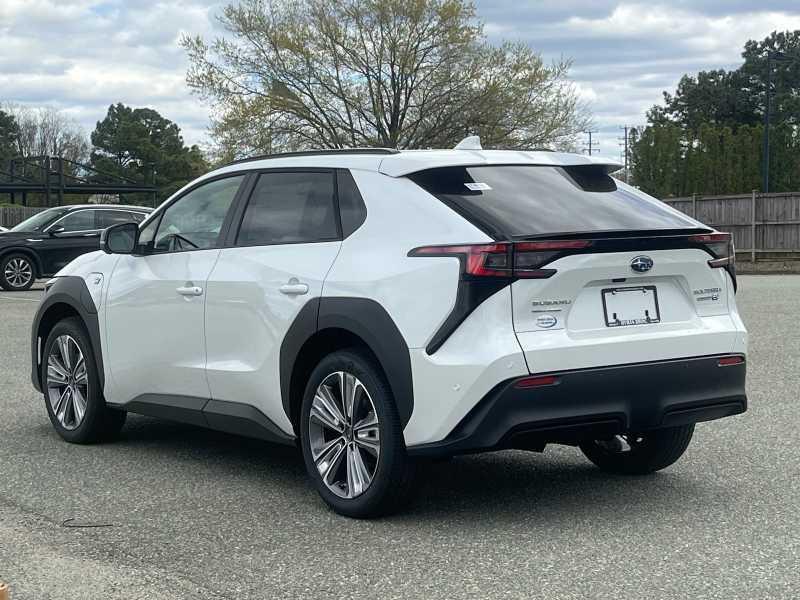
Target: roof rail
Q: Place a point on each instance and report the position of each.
(315, 153)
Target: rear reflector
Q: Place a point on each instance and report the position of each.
(532, 382)
(727, 361)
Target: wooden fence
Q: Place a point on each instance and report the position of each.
(763, 225)
(13, 215)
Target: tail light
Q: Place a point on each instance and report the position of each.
(719, 245)
(523, 260)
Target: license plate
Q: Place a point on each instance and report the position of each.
(631, 306)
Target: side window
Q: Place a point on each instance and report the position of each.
(148, 233)
(81, 220)
(195, 220)
(107, 218)
(351, 204)
(138, 217)
(290, 207)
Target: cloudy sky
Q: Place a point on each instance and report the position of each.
(82, 55)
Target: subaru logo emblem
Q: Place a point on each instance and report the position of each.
(642, 264)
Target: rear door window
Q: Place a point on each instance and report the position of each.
(525, 200)
(289, 208)
(80, 220)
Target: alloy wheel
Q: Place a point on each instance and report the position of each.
(344, 434)
(67, 382)
(18, 272)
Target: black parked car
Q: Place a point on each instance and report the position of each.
(41, 245)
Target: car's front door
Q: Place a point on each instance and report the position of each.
(155, 338)
(289, 237)
(66, 239)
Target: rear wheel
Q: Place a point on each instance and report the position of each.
(17, 272)
(639, 453)
(71, 385)
(352, 438)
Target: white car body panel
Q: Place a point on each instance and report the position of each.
(155, 337)
(417, 293)
(482, 352)
(410, 161)
(247, 317)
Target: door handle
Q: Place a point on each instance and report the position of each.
(294, 288)
(190, 290)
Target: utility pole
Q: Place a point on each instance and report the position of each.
(591, 145)
(623, 141)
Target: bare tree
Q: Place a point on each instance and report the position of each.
(48, 132)
(396, 73)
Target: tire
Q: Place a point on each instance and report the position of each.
(387, 469)
(97, 422)
(17, 272)
(646, 453)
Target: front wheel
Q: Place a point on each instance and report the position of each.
(639, 453)
(72, 394)
(352, 438)
(17, 273)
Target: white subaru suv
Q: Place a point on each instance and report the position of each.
(375, 307)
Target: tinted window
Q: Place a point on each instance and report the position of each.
(351, 204)
(39, 220)
(290, 207)
(81, 220)
(195, 220)
(148, 233)
(107, 218)
(138, 217)
(531, 200)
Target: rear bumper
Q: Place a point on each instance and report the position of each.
(598, 402)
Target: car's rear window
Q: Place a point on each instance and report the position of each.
(524, 200)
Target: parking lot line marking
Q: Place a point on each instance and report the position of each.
(23, 299)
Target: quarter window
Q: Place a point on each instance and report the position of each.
(351, 205)
(107, 218)
(290, 207)
(194, 221)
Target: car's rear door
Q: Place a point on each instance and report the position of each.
(276, 264)
(155, 326)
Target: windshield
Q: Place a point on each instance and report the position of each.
(522, 200)
(39, 221)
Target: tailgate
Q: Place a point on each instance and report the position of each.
(597, 310)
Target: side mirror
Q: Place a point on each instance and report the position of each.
(120, 239)
(55, 231)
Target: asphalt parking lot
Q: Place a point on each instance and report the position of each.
(203, 515)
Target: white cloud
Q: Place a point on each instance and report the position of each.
(82, 55)
(626, 53)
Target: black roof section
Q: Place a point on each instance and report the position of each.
(315, 153)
